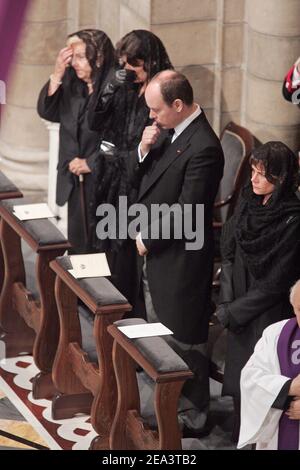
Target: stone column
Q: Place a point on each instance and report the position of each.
(60, 212)
(118, 17)
(88, 13)
(23, 136)
(273, 46)
(231, 61)
(205, 42)
(188, 30)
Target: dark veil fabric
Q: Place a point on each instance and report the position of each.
(269, 235)
(100, 54)
(99, 50)
(69, 106)
(122, 119)
(144, 45)
(122, 123)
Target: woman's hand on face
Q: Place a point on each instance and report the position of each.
(79, 166)
(63, 59)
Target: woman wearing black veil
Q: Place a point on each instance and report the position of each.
(65, 98)
(120, 114)
(260, 258)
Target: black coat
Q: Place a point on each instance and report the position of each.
(120, 119)
(68, 106)
(187, 172)
(246, 309)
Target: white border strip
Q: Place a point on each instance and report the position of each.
(28, 415)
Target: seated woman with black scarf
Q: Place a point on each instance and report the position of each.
(260, 258)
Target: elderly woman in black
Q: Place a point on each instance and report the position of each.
(119, 112)
(260, 258)
(65, 98)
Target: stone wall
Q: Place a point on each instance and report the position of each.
(24, 138)
(273, 32)
(235, 53)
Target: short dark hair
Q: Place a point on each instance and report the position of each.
(141, 44)
(177, 87)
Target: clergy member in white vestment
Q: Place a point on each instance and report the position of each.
(270, 386)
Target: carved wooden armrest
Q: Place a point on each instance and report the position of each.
(8, 190)
(167, 370)
(79, 380)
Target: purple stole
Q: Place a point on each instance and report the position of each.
(288, 434)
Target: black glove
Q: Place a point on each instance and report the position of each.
(118, 78)
(124, 75)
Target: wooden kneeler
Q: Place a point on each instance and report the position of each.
(85, 386)
(167, 370)
(7, 191)
(30, 325)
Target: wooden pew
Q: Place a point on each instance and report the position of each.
(30, 324)
(167, 370)
(7, 191)
(86, 386)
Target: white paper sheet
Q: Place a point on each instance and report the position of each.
(32, 211)
(91, 265)
(71, 271)
(145, 330)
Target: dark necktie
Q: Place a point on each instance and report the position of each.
(171, 133)
(153, 161)
(169, 137)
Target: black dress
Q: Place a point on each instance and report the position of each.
(69, 107)
(121, 121)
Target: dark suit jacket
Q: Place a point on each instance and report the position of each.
(68, 106)
(187, 172)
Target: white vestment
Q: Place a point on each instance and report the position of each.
(261, 382)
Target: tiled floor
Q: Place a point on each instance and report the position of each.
(221, 415)
(13, 422)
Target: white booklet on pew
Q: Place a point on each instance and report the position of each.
(32, 211)
(145, 330)
(91, 265)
